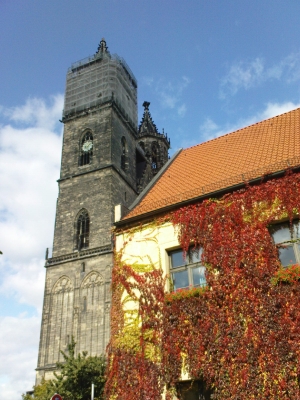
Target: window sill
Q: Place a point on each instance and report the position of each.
(289, 274)
(184, 293)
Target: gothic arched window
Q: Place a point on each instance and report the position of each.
(124, 154)
(82, 230)
(86, 149)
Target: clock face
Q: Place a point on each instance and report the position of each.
(87, 146)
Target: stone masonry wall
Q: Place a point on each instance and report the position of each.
(76, 303)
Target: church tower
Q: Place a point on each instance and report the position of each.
(155, 146)
(105, 161)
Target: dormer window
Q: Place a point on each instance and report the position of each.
(86, 149)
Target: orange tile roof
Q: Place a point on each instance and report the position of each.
(265, 147)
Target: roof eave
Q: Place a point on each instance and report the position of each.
(216, 193)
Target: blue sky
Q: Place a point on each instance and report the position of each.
(208, 67)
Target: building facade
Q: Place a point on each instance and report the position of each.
(106, 160)
(206, 280)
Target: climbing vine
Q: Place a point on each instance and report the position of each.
(138, 291)
(241, 334)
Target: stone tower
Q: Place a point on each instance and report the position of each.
(104, 163)
(155, 147)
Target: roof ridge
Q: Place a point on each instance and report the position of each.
(241, 129)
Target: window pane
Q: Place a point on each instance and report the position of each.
(287, 256)
(195, 256)
(199, 276)
(298, 251)
(296, 230)
(177, 259)
(281, 233)
(180, 279)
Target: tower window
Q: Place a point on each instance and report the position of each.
(154, 156)
(124, 155)
(86, 149)
(82, 230)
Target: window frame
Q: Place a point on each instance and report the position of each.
(188, 264)
(293, 242)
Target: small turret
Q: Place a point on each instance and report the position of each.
(155, 146)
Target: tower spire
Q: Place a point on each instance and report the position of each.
(102, 48)
(147, 126)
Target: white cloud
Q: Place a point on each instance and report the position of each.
(18, 350)
(170, 93)
(242, 75)
(273, 109)
(210, 130)
(37, 112)
(248, 74)
(30, 149)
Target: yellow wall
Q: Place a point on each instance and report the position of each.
(148, 245)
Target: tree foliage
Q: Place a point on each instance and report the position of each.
(74, 377)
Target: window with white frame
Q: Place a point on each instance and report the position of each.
(287, 239)
(186, 271)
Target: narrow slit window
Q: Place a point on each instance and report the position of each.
(154, 156)
(124, 154)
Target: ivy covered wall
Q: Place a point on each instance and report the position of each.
(241, 333)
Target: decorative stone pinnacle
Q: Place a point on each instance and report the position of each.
(146, 105)
(102, 48)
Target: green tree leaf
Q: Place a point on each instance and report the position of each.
(74, 377)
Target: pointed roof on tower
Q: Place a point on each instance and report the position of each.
(147, 126)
